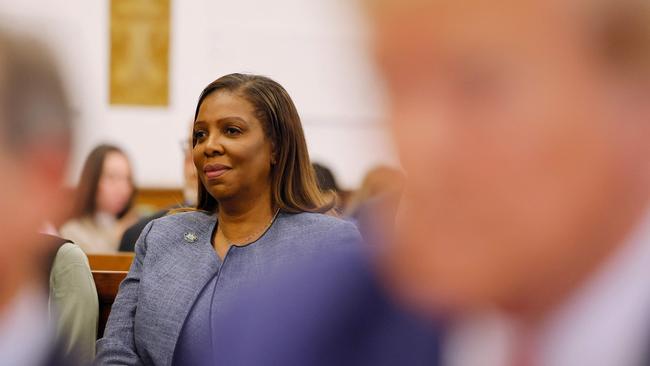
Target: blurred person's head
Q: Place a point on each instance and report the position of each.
(379, 181)
(190, 178)
(523, 128)
(325, 178)
(106, 183)
(327, 184)
(35, 134)
(248, 142)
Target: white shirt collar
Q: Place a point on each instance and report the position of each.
(606, 322)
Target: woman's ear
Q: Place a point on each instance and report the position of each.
(274, 154)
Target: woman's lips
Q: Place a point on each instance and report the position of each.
(216, 173)
(213, 171)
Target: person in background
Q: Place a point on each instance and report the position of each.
(104, 199)
(373, 207)
(379, 182)
(259, 209)
(523, 129)
(327, 184)
(35, 138)
(190, 192)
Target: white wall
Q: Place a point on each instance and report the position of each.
(315, 48)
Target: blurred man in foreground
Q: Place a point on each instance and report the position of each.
(524, 129)
(35, 131)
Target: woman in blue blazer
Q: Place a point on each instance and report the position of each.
(259, 209)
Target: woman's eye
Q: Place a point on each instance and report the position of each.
(199, 135)
(232, 131)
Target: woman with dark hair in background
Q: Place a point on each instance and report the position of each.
(328, 185)
(259, 209)
(103, 201)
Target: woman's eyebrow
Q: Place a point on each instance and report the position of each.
(231, 118)
(223, 119)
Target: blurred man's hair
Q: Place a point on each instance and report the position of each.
(34, 108)
(623, 33)
(619, 28)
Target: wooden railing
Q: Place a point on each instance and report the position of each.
(110, 262)
(158, 198)
(107, 284)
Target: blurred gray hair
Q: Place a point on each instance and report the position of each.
(33, 104)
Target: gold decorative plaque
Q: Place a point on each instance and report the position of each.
(139, 72)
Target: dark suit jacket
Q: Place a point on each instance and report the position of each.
(131, 235)
(57, 356)
(325, 318)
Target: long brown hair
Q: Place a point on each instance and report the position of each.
(86, 195)
(293, 183)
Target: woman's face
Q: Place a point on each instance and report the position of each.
(231, 153)
(115, 187)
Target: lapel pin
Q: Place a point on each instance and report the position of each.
(190, 237)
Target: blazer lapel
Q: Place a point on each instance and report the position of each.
(191, 263)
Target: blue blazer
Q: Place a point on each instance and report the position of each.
(174, 260)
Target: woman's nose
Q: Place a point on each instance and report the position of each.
(214, 146)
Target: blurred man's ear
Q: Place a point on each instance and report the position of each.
(45, 169)
(645, 121)
(632, 123)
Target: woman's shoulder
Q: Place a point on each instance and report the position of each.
(175, 221)
(317, 222)
(314, 217)
(170, 229)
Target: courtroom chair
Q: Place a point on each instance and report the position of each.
(107, 284)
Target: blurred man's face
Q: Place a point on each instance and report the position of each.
(12, 197)
(20, 219)
(30, 191)
(31, 195)
(527, 160)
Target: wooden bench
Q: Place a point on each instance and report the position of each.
(158, 198)
(110, 262)
(107, 284)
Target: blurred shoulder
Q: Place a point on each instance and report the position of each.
(70, 272)
(69, 254)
